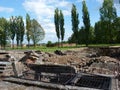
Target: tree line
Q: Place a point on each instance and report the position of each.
(105, 31)
(15, 28)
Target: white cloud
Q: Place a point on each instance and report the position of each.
(6, 9)
(44, 12)
(46, 7)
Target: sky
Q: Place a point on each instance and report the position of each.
(43, 12)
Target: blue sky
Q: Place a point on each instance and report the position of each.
(43, 11)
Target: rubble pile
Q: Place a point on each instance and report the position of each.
(5, 64)
(84, 60)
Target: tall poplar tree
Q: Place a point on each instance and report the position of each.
(107, 16)
(28, 26)
(98, 32)
(86, 21)
(75, 22)
(62, 29)
(57, 26)
(17, 30)
(22, 31)
(12, 29)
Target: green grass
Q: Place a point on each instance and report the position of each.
(44, 48)
(52, 49)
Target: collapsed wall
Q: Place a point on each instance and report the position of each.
(51, 72)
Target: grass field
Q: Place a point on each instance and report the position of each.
(52, 49)
(44, 48)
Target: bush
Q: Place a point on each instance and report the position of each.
(50, 44)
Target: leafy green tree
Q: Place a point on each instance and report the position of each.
(86, 21)
(50, 44)
(17, 30)
(57, 26)
(28, 26)
(12, 29)
(117, 29)
(92, 36)
(62, 29)
(98, 32)
(22, 30)
(107, 16)
(37, 32)
(82, 35)
(72, 39)
(75, 22)
(4, 25)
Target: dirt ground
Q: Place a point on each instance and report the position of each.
(13, 86)
(83, 59)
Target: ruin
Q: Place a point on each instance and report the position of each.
(5, 64)
(78, 81)
(92, 72)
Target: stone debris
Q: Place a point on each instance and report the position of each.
(5, 64)
(58, 52)
(84, 60)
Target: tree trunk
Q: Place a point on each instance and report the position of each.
(21, 45)
(28, 44)
(61, 43)
(34, 45)
(13, 44)
(58, 43)
(17, 44)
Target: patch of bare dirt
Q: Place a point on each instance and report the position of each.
(85, 60)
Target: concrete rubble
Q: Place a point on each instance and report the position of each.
(83, 60)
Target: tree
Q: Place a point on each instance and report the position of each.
(98, 32)
(57, 26)
(12, 29)
(107, 16)
(17, 30)
(82, 35)
(37, 33)
(22, 30)
(28, 26)
(86, 21)
(92, 36)
(62, 30)
(75, 22)
(72, 39)
(117, 29)
(4, 25)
